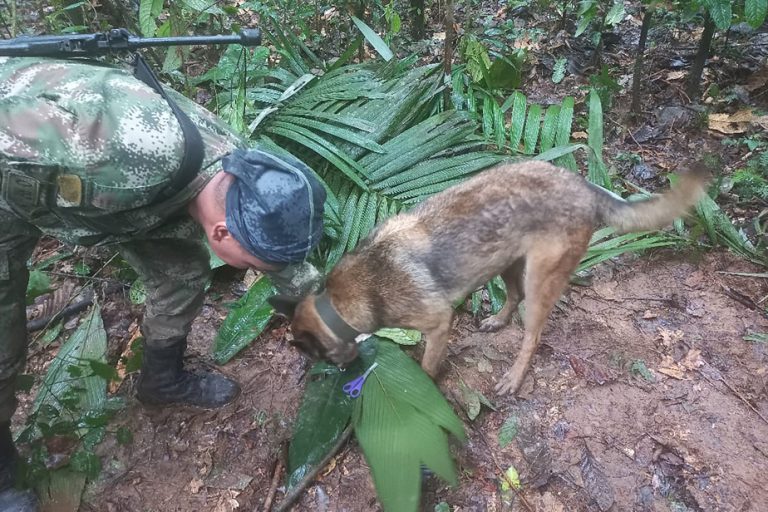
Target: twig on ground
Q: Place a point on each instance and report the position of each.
(481, 436)
(279, 463)
(296, 492)
(735, 392)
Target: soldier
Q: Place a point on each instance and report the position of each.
(91, 155)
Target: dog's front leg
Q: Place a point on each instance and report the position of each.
(436, 344)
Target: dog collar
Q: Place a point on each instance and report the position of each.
(331, 318)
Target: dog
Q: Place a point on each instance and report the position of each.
(528, 222)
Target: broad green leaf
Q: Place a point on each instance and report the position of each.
(442, 507)
(62, 381)
(511, 479)
(399, 420)
(518, 120)
(597, 172)
(497, 294)
(559, 152)
(245, 321)
(549, 128)
(532, 127)
(559, 69)
(39, 284)
(148, 11)
(86, 462)
(124, 435)
(374, 39)
(563, 137)
(616, 14)
(400, 336)
(324, 413)
(508, 431)
(208, 6)
(50, 335)
(721, 12)
(137, 292)
(755, 12)
(61, 490)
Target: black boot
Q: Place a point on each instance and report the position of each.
(12, 500)
(163, 381)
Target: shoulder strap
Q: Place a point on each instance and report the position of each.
(192, 160)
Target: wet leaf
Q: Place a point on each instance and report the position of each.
(69, 381)
(86, 462)
(137, 293)
(639, 368)
(756, 337)
(400, 421)
(124, 435)
(50, 335)
(595, 482)
(535, 449)
(39, 284)
(511, 479)
(400, 336)
(245, 321)
(442, 507)
(508, 431)
(61, 490)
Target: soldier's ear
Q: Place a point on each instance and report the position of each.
(284, 305)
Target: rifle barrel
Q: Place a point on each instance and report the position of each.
(246, 37)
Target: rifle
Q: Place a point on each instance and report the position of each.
(120, 40)
(114, 40)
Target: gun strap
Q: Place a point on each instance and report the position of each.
(192, 160)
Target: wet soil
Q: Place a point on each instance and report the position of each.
(643, 396)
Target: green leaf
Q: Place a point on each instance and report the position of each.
(508, 431)
(374, 39)
(103, 370)
(756, 337)
(442, 507)
(532, 127)
(563, 137)
(616, 14)
(597, 173)
(721, 12)
(124, 435)
(324, 413)
(549, 128)
(245, 321)
(207, 6)
(511, 479)
(82, 269)
(399, 420)
(39, 284)
(137, 294)
(24, 382)
(77, 390)
(50, 335)
(400, 336)
(518, 120)
(473, 400)
(639, 368)
(148, 11)
(559, 69)
(755, 12)
(86, 462)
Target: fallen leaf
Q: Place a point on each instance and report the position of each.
(114, 385)
(738, 122)
(649, 315)
(195, 485)
(670, 338)
(484, 366)
(676, 75)
(595, 482)
(580, 135)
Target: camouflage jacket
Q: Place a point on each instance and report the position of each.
(97, 146)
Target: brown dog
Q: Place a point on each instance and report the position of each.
(529, 222)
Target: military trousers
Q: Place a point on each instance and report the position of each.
(174, 272)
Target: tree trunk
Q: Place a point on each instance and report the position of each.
(647, 15)
(694, 77)
(450, 36)
(417, 19)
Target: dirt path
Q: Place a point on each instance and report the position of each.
(591, 429)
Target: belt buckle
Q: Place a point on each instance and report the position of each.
(21, 189)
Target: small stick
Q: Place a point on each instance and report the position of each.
(735, 392)
(295, 493)
(275, 479)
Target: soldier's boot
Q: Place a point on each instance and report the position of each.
(164, 381)
(11, 499)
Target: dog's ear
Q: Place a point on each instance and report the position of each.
(284, 305)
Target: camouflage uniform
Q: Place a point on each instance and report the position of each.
(85, 149)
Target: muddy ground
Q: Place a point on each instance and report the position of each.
(687, 434)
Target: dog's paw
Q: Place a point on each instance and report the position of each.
(491, 324)
(510, 383)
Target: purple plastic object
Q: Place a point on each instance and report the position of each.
(354, 387)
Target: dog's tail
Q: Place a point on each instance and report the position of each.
(656, 211)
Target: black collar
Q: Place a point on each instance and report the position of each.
(330, 316)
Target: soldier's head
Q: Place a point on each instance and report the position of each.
(273, 211)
